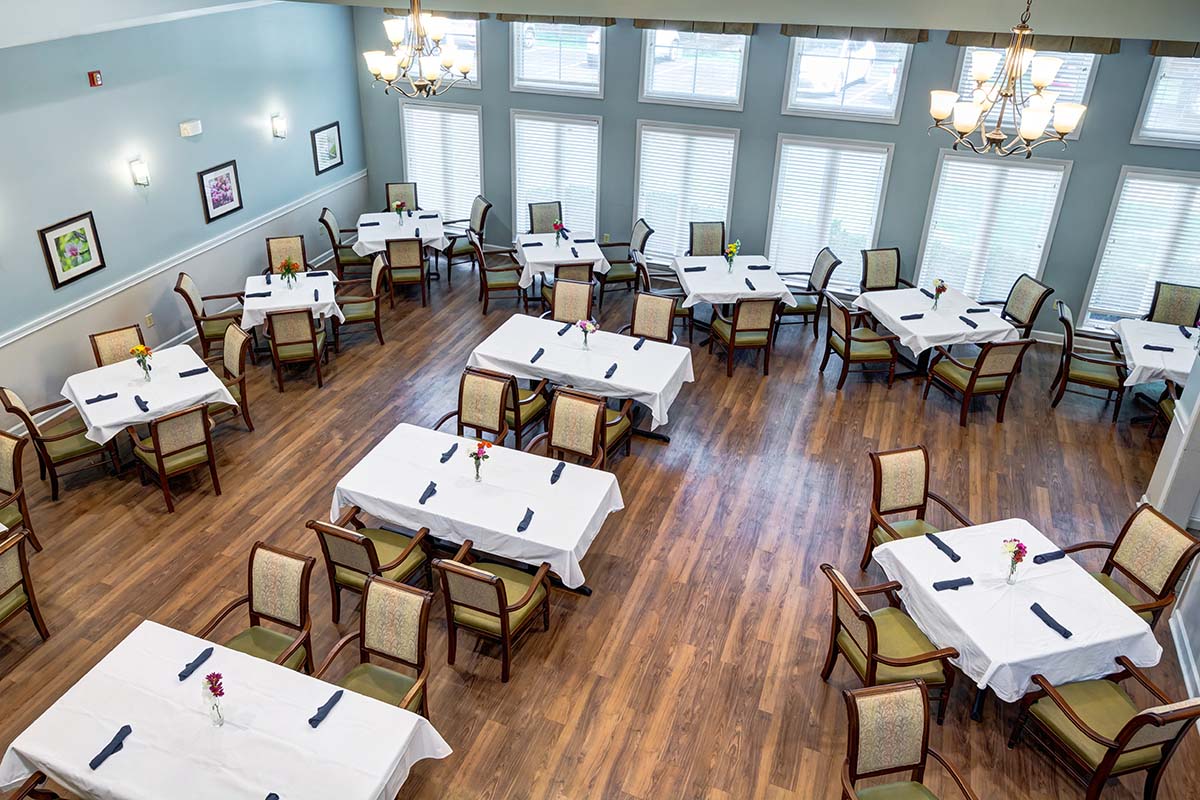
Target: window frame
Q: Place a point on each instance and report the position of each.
(1138, 137)
(553, 115)
(513, 86)
(477, 110)
(850, 116)
(694, 102)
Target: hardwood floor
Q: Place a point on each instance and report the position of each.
(693, 670)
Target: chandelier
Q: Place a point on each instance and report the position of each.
(419, 64)
(1005, 95)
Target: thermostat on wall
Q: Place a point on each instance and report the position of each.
(190, 127)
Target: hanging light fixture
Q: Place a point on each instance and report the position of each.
(1026, 116)
(420, 65)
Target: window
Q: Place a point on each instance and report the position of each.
(462, 37)
(694, 68)
(1153, 234)
(558, 59)
(1072, 84)
(684, 174)
(442, 154)
(828, 193)
(1171, 109)
(854, 80)
(556, 157)
(990, 221)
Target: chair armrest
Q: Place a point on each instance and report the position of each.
(464, 553)
(944, 353)
(1133, 672)
(225, 296)
(295, 645)
(1075, 548)
(536, 441)
(222, 315)
(455, 221)
(1154, 605)
(224, 612)
(354, 282)
(1070, 714)
(16, 496)
(49, 406)
(878, 519)
(602, 245)
(954, 512)
(349, 517)
(347, 230)
(911, 661)
(1100, 336)
(625, 408)
(961, 782)
(878, 588)
(537, 390)
(416, 542)
(67, 434)
(337, 648)
(417, 687)
(717, 313)
(442, 421)
(539, 578)
(906, 283)
(1106, 362)
(848, 792)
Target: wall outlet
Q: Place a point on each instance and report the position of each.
(607, 238)
(190, 127)
(149, 320)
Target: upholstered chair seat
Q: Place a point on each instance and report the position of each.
(1105, 707)
(175, 462)
(865, 345)
(288, 352)
(992, 372)
(616, 427)
(504, 280)
(1088, 367)
(959, 375)
(16, 585)
(178, 442)
(626, 261)
(752, 328)
(214, 328)
(10, 517)
(389, 545)
(57, 445)
(1095, 374)
(721, 329)
(11, 602)
(906, 528)
(359, 312)
(897, 637)
(533, 404)
(386, 685)
(621, 273)
(72, 446)
(267, 644)
(804, 305)
(516, 584)
(901, 790)
(1124, 595)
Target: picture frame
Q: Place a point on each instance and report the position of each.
(327, 147)
(72, 249)
(220, 191)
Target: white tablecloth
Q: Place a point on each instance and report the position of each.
(362, 751)
(164, 393)
(300, 296)
(390, 479)
(541, 259)
(652, 375)
(1002, 644)
(1148, 366)
(717, 285)
(941, 327)
(373, 238)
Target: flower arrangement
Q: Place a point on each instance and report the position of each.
(479, 455)
(560, 231)
(1016, 551)
(213, 690)
(731, 251)
(289, 269)
(142, 353)
(939, 289)
(587, 326)
(400, 207)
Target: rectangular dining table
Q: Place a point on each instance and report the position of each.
(538, 253)
(1155, 364)
(262, 298)
(567, 515)
(362, 750)
(708, 279)
(166, 391)
(1001, 642)
(375, 229)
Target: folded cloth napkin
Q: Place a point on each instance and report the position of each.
(554, 476)
(115, 745)
(532, 244)
(100, 398)
(316, 294)
(968, 321)
(1187, 333)
(417, 233)
(429, 492)
(367, 224)
(260, 294)
(945, 548)
(574, 253)
(694, 269)
(978, 310)
(1053, 555)
(428, 216)
(759, 266)
(566, 328)
(540, 352)
(584, 241)
(1161, 348)
(272, 796)
(611, 370)
(449, 453)
(750, 284)
(319, 717)
(928, 294)
(268, 277)
(188, 373)
(954, 583)
(525, 520)
(192, 665)
(1049, 620)
(316, 274)
(912, 316)
(641, 341)
(142, 404)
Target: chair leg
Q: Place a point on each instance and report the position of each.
(320, 378)
(944, 696)
(38, 622)
(966, 407)
(767, 361)
(1018, 727)
(378, 330)
(868, 550)
(212, 472)
(451, 644)
(1003, 405)
(337, 337)
(1057, 377)
(825, 360)
(817, 318)
(505, 658)
(279, 376)
(1062, 389)
(845, 373)
(729, 351)
(335, 598)
(1117, 407)
(546, 611)
(830, 659)
(891, 373)
(53, 482)
(41, 467)
(166, 490)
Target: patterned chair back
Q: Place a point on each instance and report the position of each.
(14, 405)
(653, 317)
(823, 266)
(840, 323)
(1152, 550)
(481, 399)
(1025, 299)
(574, 271)
(753, 315)
(575, 423)
(1175, 304)
(889, 729)
(291, 327)
(479, 211)
(850, 613)
(378, 270)
(334, 231)
(233, 352)
(13, 566)
(111, 347)
(402, 193)
(187, 289)
(880, 269)
(290, 248)
(706, 239)
(468, 587)
(180, 431)
(901, 480)
(278, 586)
(637, 241)
(542, 216)
(999, 359)
(10, 462)
(394, 621)
(1159, 725)
(570, 301)
(404, 253)
(347, 549)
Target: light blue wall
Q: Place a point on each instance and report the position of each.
(1098, 155)
(65, 147)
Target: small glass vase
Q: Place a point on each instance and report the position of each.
(213, 704)
(478, 476)
(730, 262)
(936, 297)
(585, 340)
(1012, 575)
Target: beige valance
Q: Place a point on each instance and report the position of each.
(1169, 49)
(1060, 44)
(602, 21)
(742, 28)
(892, 35)
(404, 12)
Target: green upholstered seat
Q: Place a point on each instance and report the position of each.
(865, 345)
(528, 410)
(903, 790)
(1104, 707)
(267, 644)
(215, 328)
(899, 637)
(10, 517)
(614, 432)
(293, 352)
(406, 275)
(547, 292)
(1094, 373)
(382, 684)
(349, 258)
(805, 304)
(1167, 407)
(461, 246)
(516, 583)
(958, 377)
(359, 312)
(172, 463)
(906, 528)
(388, 547)
(1124, 595)
(11, 602)
(506, 279)
(746, 338)
(621, 273)
(72, 446)
(680, 311)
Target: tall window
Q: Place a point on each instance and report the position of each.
(1171, 110)
(684, 174)
(558, 59)
(855, 80)
(989, 221)
(442, 154)
(694, 68)
(462, 37)
(1072, 84)
(1153, 235)
(556, 157)
(828, 193)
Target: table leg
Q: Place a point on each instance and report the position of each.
(917, 369)
(645, 433)
(977, 706)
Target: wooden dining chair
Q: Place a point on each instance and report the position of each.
(1164, 409)
(178, 442)
(459, 245)
(344, 257)
(404, 192)
(623, 264)
(883, 646)
(889, 738)
(581, 271)
(286, 248)
(992, 372)
(1024, 303)
(277, 592)
(570, 301)
(706, 239)
(1097, 731)
(1087, 367)
(525, 408)
(1152, 553)
(483, 396)
(618, 428)
(501, 274)
(16, 586)
(881, 270)
(857, 346)
(232, 362)
(671, 289)
(14, 508)
(111, 347)
(296, 338)
(901, 486)
(1175, 304)
(363, 303)
(32, 789)
(809, 293)
(406, 267)
(210, 328)
(652, 317)
(575, 427)
(494, 601)
(542, 216)
(752, 328)
(393, 626)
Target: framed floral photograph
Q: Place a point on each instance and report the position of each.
(72, 249)
(327, 147)
(220, 190)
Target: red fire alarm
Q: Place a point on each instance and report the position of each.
(94, 79)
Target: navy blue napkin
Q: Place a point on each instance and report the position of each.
(532, 244)
(316, 294)
(525, 520)
(945, 548)
(142, 404)
(417, 233)
(694, 269)
(1053, 555)
(611, 370)
(272, 796)
(1161, 348)
(954, 584)
(115, 745)
(584, 241)
(750, 284)
(641, 341)
(928, 294)
(574, 253)
(319, 717)
(100, 398)
(968, 321)
(321, 273)
(912, 316)
(260, 294)
(554, 476)
(1049, 620)
(447, 455)
(537, 355)
(429, 492)
(192, 665)
(268, 277)
(566, 328)
(1187, 334)
(759, 266)
(978, 310)
(367, 224)
(428, 216)
(188, 373)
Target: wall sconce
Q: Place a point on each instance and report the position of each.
(140, 172)
(279, 126)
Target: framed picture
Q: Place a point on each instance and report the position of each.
(220, 191)
(327, 147)
(72, 249)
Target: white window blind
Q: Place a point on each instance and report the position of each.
(990, 221)
(558, 59)
(1072, 84)
(556, 157)
(835, 78)
(442, 154)
(694, 68)
(827, 194)
(1171, 112)
(462, 38)
(1153, 235)
(684, 175)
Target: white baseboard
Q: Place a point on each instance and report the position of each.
(1186, 655)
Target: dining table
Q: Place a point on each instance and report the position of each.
(711, 279)
(312, 291)
(540, 253)
(1155, 351)
(375, 229)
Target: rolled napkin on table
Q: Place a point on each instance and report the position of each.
(953, 583)
(417, 233)
(446, 456)
(928, 294)
(429, 492)
(114, 746)
(540, 352)
(574, 253)
(320, 273)
(1161, 348)
(367, 224)
(532, 244)
(759, 266)
(945, 548)
(189, 373)
(1187, 334)
(428, 216)
(912, 316)
(1049, 620)
(611, 370)
(694, 269)
(1053, 555)
(641, 341)
(259, 294)
(584, 241)
(557, 473)
(195, 663)
(142, 404)
(566, 328)
(968, 321)
(525, 520)
(268, 277)
(322, 712)
(978, 310)
(316, 294)
(100, 398)
(750, 285)
(272, 796)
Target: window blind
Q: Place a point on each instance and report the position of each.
(556, 158)
(1072, 84)
(683, 67)
(1153, 235)
(846, 78)
(683, 175)
(441, 153)
(557, 58)
(1172, 113)
(989, 222)
(827, 194)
